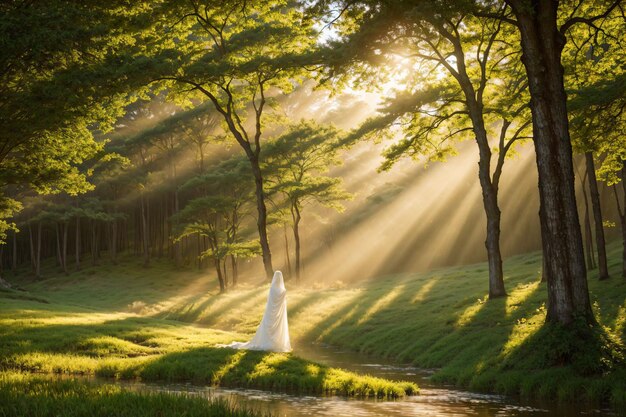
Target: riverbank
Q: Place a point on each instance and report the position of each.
(37, 396)
(441, 319)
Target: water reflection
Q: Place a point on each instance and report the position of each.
(434, 400)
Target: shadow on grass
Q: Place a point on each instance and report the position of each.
(269, 371)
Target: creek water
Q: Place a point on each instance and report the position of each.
(433, 400)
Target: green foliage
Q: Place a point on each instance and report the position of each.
(218, 213)
(8, 209)
(54, 91)
(296, 164)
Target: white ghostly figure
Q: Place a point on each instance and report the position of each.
(273, 332)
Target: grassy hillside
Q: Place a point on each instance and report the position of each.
(116, 320)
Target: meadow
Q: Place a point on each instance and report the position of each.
(157, 324)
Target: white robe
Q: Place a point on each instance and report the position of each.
(273, 332)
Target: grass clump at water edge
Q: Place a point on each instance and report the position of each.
(38, 396)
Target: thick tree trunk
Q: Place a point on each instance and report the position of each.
(591, 257)
(542, 45)
(262, 217)
(597, 217)
(94, 243)
(492, 243)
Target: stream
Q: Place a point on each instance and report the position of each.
(433, 400)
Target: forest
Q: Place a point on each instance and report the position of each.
(442, 184)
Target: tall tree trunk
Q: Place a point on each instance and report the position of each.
(32, 247)
(113, 248)
(295, 212)
(287, 251)
(591, 257)
(623, 218)
(200, 250)
(489, 186)
(14, 263)
(233, 264)
(220, 277)
(65, 227)
(597, 216)
(178, 249)
(58, 238)
(492, 243)
(38, 260)
(145, 234)
(622, 221)
(542, 45)
(225, 276)
(94, 244)
(262, 217)
(77, 243)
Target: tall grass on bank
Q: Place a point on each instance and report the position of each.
(35, 396)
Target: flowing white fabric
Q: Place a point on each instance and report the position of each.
(273, 332)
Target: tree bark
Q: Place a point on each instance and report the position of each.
(262, 217)
(295, 213)
(489, 186)
(287, 251)
(622, 220)
(542, 45)
(220, 277)
(597, 216)
(489, 190)
(58, 239)
(591, 257)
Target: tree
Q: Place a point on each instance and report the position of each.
(590, 62)
(239, 55)
(296, 164)
(542, 40)
(600, 108)
(218, 215)
(468, 80)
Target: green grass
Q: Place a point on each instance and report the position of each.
(25, 395)
(141, 321)
(114, 334)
